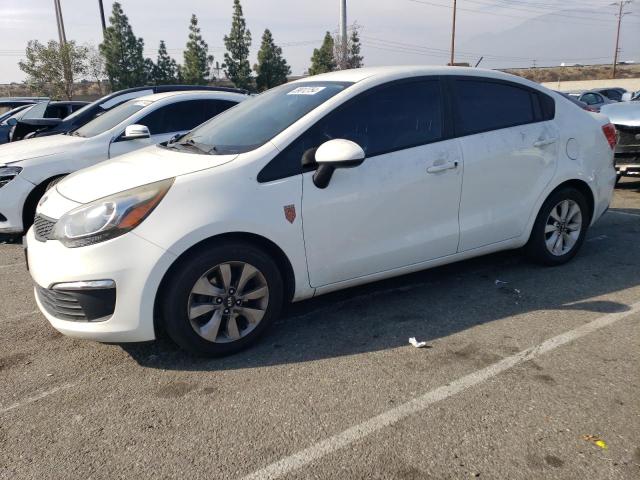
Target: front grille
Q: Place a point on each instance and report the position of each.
(627, 135)
(43, 228)
(62, 305)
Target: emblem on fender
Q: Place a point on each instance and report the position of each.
(290, 213)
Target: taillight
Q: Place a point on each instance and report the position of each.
(609, 131)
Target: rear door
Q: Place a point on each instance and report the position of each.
(510, 146)
(399, 207)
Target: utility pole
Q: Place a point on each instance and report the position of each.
(104, 24)
(343, 33)
(453, 35)
(61, 35)
(621, 4)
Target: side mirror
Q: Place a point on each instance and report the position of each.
(334, 154)
(12, 122)
(135, 132)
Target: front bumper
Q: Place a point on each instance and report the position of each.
(136, 267)
(628, 166)
(12, 198)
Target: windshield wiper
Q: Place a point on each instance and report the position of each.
(201, 147)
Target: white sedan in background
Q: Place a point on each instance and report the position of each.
(392, 169)
(29, 168)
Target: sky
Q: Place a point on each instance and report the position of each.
(507, 33)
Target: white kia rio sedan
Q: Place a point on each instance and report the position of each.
(29, 168)
(314, 186)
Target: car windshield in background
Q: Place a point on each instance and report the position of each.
(110, 119)
(254, 122)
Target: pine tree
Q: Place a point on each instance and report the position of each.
(149, 72)
(166, 68)
(236, 60)
(197, 61)
(122, 52)
(323, 59)
(272, 68)
(354, 59)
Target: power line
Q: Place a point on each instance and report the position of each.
(483, 12)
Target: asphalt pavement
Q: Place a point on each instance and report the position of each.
(528, 373)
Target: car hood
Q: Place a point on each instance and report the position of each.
(141, 167)
(37, 147)
(624, 113)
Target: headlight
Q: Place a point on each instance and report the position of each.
(109, 217)
(7, 174)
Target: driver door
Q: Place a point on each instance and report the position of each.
(395, 209)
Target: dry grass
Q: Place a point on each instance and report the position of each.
(587, 72)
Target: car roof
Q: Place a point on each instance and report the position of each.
(195, 94)
(394, 72)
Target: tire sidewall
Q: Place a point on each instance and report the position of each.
(174, 303)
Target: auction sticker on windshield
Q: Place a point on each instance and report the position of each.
(306, 90)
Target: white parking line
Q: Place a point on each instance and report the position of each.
(20, 264)
(390, 417)
(35, 398)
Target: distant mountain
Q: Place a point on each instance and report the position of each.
(552, 39)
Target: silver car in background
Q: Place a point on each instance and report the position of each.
(626, 118)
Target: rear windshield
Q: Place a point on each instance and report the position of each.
(254, 122)
(111, 118)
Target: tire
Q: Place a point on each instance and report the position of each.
(205, 271)
(618, 178)
(540, 245)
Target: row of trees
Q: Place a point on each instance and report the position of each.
(51, 69)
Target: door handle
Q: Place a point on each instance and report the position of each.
(442, 167)
(544, 143)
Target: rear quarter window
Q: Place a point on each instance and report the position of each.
(483, 105)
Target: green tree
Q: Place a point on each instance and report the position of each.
(272, 68)
(122, 52)
(51, 69)
(95, 67)
(354, 59)
(323, 59)
(166, 68)
(197, 61)
(236, 60)
(149, 72)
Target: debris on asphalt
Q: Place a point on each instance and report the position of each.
(596, 441)
(502, 285)
(49, 374)
(418, 344)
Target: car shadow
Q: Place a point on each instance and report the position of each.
(431, 304)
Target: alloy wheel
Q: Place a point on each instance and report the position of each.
(563, 227)
(228, 302)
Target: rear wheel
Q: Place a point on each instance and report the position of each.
(220, 300)
(560, 227)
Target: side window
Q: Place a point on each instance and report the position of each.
(179, 116)
(386, 119)
(55, 111)
(590, 98)
(484, 105)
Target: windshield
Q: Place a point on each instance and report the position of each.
(111, 118)
(254, 122)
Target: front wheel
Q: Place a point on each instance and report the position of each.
(221, 299)
(560, 228)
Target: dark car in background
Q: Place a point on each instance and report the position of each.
(106, 103)
(43, 115)
(595, 99)
(614, 93)
(577, 102)
(9, 103)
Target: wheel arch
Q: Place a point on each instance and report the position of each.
(584, 188)
(278, 255)
(30, 204)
